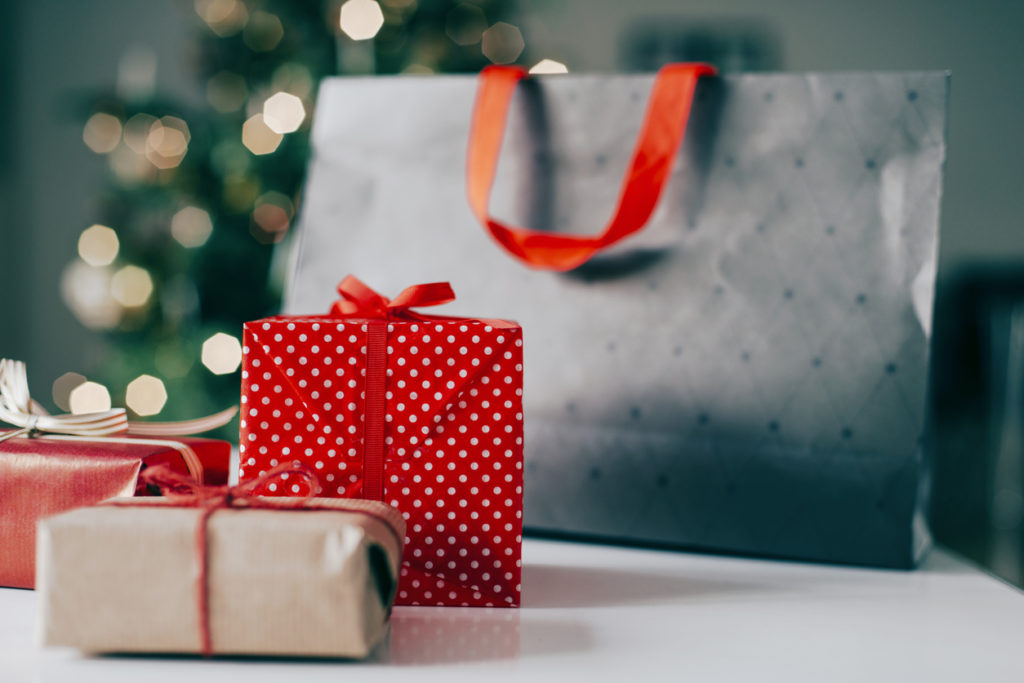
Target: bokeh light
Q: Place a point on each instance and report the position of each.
(502, 43)
(167, 142)
(361, 19)
(89, 397)
(98, 245)
(222, 353)
(465, 24)
(86, 291)
(549, 66)
(263, 31)
(191, 227)
(131, 286)
(130, 167)
(226, 91)
(62, 388)
(146, 395)
(258, 137)
(271, 217)
(102, 132)
(136, 132)
(224, 17)
(283, 113)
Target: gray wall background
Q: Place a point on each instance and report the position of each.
(50, 49)
(51, 52)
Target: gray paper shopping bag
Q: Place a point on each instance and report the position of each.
(747, 373)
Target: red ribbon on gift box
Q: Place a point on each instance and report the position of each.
(360, 301)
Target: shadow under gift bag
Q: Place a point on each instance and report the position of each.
(738, 361)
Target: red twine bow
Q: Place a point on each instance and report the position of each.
(182, 491)
(359, 301)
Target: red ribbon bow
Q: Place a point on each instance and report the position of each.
(359, 301)
(182, 491)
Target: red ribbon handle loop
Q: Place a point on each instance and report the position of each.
(668, 110)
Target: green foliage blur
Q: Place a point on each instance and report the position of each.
(244, 52)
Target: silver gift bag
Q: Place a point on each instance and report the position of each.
(747, 373)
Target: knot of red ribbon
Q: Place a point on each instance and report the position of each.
(182, 491)
(359, 300)
(185, 491)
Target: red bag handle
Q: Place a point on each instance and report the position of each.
(660, 136)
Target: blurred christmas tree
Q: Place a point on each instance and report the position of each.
(191, 225)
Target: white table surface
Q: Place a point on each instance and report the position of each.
(604, 613)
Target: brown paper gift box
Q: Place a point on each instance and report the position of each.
(305, 582)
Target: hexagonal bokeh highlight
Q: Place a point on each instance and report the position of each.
(86, 291)
(146, 395)
(465, 24)
(191, 227)
(89, 397)
(283, 113)
(361, 19)
(98, 245)
(62, 388)
(502, 43)
(222, 353)
(102, 132)
(258, 137)
(131, 286)
(263, 31)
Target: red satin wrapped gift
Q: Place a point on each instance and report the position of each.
(421, 412)
(54, 463)
(44, 475)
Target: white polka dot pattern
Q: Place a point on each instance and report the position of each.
(453, 444)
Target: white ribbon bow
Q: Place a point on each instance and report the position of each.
(19, 409)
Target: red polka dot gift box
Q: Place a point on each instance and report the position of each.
(423, 412)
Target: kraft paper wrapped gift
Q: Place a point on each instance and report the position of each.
(315, 580)
(747, 372)
(423, 412)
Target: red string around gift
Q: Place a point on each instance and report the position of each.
(182, 491)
